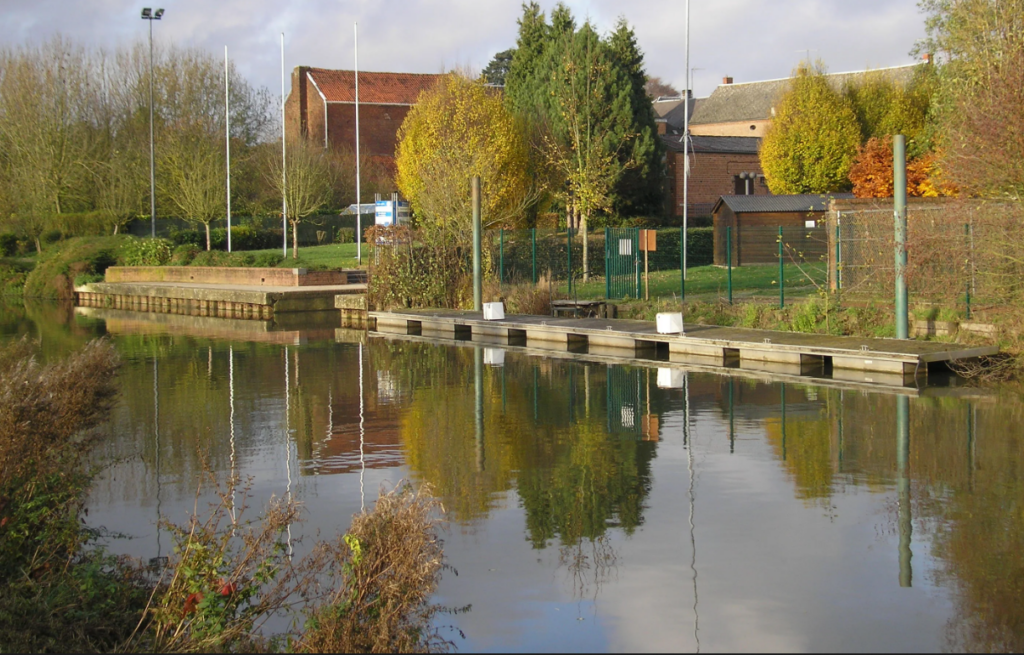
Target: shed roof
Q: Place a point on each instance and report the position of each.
(737, 145)
(374, 88)
(751, 101)
(807, 202)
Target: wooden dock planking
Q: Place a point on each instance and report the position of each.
(851, 358)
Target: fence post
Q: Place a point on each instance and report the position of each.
(568, 253)
(728, 260)
(839, 253)
(607, 270)
(682, 262)
(899, 177)
(501, 256)
(782, 275)
(967, 233)
(636, 259)
(533, 249)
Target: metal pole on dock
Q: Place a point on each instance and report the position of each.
(967, 295)
(284, 164)
(728, 260)
(568, 250)
(501, 256)
(904, 519)
(227, 140)
(782, 275)
(477, 273)
(899, 180)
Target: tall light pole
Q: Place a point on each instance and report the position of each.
(686, 141)
(150, 15)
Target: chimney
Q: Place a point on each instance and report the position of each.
(928, 58)
(726, 80)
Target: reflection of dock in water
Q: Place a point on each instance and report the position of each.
(941, 387)
(889, 362)
(289, 329)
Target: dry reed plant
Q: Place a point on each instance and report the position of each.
(522, 298)
(389, 562)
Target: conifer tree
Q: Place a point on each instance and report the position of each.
(639, 189)
(521, 83)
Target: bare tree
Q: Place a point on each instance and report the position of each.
(309, 186)
(656, 88)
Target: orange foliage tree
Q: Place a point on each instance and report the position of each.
(871, 173)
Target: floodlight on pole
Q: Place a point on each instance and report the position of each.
(148, 14)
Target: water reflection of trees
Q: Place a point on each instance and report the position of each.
(545, 431)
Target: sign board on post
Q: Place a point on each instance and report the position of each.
(649, 240)
(390, 212)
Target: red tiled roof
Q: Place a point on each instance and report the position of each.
(378, 88)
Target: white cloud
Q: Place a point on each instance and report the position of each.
(747, 39)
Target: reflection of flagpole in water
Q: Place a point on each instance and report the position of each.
(732, 420)
(903, 487)
(287, 440)
(362, 436)
(688, 443)
(231, 398)
(478, 382)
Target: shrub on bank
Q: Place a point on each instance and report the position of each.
(58, 592)
(55, 272)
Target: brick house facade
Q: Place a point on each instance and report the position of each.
(717, 164)
(321, 107)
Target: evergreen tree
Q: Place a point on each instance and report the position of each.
(497, 69)
(521, 92)
(639, 189)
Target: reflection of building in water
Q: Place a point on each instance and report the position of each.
(338, 452)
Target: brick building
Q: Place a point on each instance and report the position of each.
(719, 166)
(321, 107)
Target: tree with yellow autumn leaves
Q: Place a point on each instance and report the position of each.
(458, 129)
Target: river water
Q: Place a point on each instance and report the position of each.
(591, 507)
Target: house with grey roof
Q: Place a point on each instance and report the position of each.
(746, 108)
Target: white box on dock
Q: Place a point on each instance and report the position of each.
(494, 357)
(494, 311)
(670, 378)
(670, 323)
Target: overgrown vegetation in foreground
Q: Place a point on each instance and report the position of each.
(368, 590)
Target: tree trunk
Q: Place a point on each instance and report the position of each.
(207, 225)
(115, 228)
(39, 247)
(295, 240)
(586, 263)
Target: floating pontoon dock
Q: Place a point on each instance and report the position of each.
(885, 361)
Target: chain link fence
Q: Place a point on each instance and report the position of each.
(960, 254)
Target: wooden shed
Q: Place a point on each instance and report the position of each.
(755, 223)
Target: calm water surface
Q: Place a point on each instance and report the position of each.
(592, 507)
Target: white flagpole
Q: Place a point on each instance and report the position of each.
(686, 139)
(359, 199)
(227, 139)
(284, 164)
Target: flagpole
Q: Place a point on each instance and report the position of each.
(227, 140)
(284, 165)
(359, 199)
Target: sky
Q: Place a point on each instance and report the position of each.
(749, 40)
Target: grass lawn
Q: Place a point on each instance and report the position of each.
(335, 255)
(708, 282)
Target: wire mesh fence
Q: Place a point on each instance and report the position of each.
(960, 254)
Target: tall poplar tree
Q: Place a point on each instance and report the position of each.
(813, 140)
